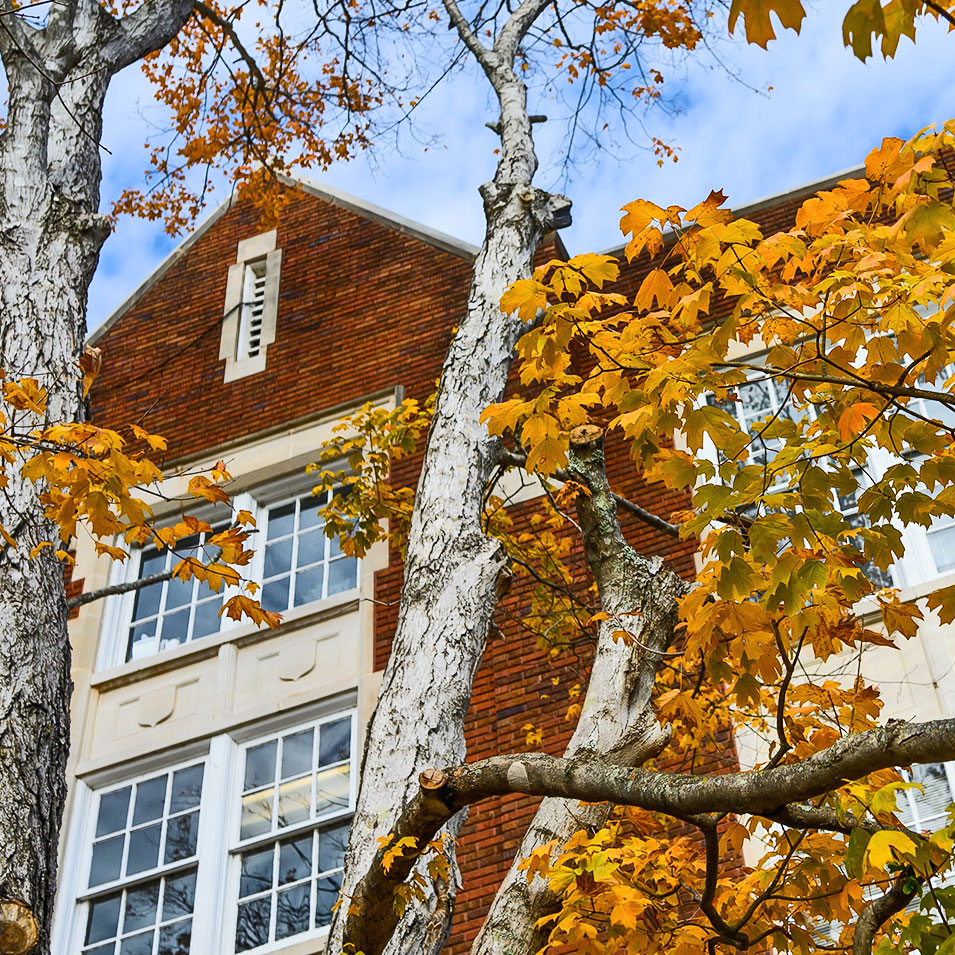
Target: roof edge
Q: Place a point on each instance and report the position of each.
(157, 273)
(344, 200)
(855, 172)
(368, 210)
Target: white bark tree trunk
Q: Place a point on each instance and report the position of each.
(50, 237)
(617, 723)
(452, 567)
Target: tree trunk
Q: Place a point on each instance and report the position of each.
(617, 723)
(50, 237)
(452, 567)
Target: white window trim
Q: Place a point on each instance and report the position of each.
(218, 848)
(253, 250)
(118, 612)
(236, 847)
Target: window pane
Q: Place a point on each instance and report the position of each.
(252, 927)
(942, 544)
(186, 789)
(141, 905)
(275, 595)
(103, 919)
(278, 558)
(332, 789)
(174, 630)
(107, 859)
(331, 848)
(143, 849)
(181, 834)
(327, 897)
(308, 514)
(260, 765)
(207, 619)
(113, 811)
(335, 744)
(281, 521)
(138, 944)
(175, 939)
(256, 813)
(179, 896)
(311, 548)
(142, 641)
(297, 754)
(308, 585)
(179, 592)
(295, 860)
(256, 872)
(147, 600)
(295, 801)
(101, 950)
(150, 800)
(291, 911)
(153, 562)
(342, 575)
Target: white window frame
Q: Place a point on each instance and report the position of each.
(237, 846)
(217, 858)
(119, 608)
(73, 908)
(252, 254)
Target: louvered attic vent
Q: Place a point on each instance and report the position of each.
(253, 305)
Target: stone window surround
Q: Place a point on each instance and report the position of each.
(111, 655)
(250, 250)
(217, 885)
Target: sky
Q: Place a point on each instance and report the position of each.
(775, 120)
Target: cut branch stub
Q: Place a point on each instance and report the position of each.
(432, 779)
(18, 928)
(585, 436)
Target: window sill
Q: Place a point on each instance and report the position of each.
(295, 619)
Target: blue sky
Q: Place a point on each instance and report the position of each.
(801, 111)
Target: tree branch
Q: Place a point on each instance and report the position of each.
(617, 722)
(86, 598)
(482, 54)
(648, 517)
(767, 792)
(877, 912)
(147, 29)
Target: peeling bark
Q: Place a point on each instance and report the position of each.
(617, 722)
(452, 567)
(50, 237)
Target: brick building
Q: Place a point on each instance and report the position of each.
(213, 764)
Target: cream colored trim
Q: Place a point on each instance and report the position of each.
(249, 250)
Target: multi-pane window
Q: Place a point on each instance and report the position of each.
(276, 814)
(144, 856)
(172, 612)
(302, 564)
(926, 809)
(295, 800)
(298, 565)
(759, 402)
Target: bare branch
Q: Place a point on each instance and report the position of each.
(877, 912)
(482, 54)
(648, 517)
(147, 29)
(86, 598)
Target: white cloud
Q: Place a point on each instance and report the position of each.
(823, 114)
